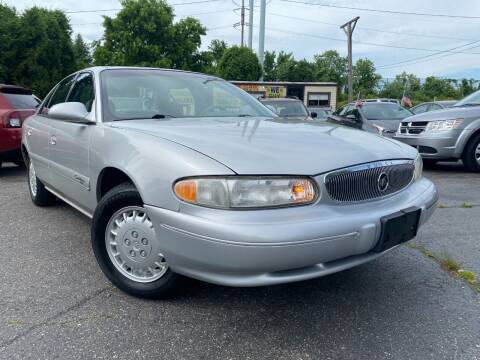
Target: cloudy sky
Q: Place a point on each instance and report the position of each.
(395, 42)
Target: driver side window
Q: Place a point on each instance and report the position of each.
(59, 95)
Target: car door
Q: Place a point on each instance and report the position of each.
(38, 130)
(69, 148)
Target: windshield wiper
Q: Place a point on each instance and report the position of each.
(244, 115)
(156, 116)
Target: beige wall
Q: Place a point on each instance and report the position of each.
(322, 89)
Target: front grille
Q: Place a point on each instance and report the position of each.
(413, 128)
(362, 182)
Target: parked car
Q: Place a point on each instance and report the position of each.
(448, 135)
(322, 112)
(382, 100)
(287, 107)
(376, 116)
(16, 103)
(185, 173)
(433, 106)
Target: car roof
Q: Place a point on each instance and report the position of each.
(98, 69)
(13, 87)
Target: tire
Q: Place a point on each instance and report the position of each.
(120, 253)
(39, 195)
(471, 154)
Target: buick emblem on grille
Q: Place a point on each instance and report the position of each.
(382, 182)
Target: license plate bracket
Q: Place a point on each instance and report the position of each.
(398, 228)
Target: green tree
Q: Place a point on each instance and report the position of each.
(292, 70)
(365, 79)
(330, 66)
(403, 82)
(44, 50)
(143, 33)
(435, 88)
(270, 66)
(83, 59)
(212, 57)
(466, 87)
(9, 28)
(240, 63)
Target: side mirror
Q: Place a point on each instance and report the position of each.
(70, 111)
(313, 114)
(352, 118)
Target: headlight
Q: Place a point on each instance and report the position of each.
(443, 125)
(417, 172)
(246, 192)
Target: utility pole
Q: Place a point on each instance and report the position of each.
(242, 21)
(251, 4)
(261, 35)
(348, 28)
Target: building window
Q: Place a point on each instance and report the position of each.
(318, 99)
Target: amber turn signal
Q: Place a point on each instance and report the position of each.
(186, 190)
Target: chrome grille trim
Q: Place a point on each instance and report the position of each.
(412, 128)
(361, 182)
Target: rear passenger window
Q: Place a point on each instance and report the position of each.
(83, 91)
(60, 94)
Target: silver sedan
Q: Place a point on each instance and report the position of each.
(185, 174)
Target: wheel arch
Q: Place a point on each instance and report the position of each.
(111, 176)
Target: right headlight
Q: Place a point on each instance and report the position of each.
(237, 192)
(417, 172)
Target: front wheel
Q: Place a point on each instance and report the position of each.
(471, 155)
(126, 246)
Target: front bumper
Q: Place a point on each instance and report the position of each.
(437, 146)
(264, 247)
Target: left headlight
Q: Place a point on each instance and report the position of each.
(444, 125)
(246, 192)
(417, 172)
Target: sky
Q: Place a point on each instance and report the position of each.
(413, 43)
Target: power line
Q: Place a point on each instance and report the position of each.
(428, 57)
(384, 11)
(370, 29)
(105, 10)
(372, 44)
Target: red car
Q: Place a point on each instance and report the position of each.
(16, 104)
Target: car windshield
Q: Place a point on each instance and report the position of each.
(288, 108)
(470, 100)
(129, 94)
(385, 111)
(20, 100)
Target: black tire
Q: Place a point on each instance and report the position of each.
(42, 197)
(119, 197)
(469, 159)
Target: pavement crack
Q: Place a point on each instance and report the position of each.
(49, 320)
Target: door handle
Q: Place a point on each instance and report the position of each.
(53, 140)
(29, 132)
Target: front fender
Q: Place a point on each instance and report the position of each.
(152, 163)
(465, 136)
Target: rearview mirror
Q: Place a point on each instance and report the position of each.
(313, 114)
(70, 111)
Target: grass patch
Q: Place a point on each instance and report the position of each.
(466, 205)
(449, 264)
(441, 205)
(14, 322)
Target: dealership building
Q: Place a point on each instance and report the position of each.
(313, 94)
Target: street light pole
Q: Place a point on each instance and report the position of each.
(348, 28)
(261, 35)
(251, 4)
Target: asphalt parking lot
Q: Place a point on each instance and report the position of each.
(56, 304)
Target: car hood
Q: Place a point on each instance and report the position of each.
(273, 145)
(447, 114)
